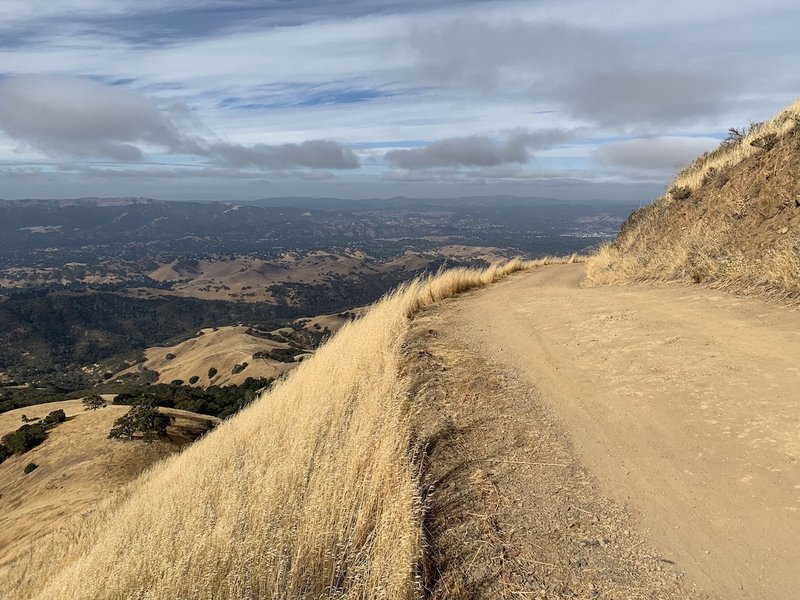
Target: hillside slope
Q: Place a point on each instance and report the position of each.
(732, 219)
(681, 402)
(310, 492)
(78, 468)
(238, 352)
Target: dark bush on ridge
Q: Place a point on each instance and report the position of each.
(25, 438)
(215, 400)
(54, 418)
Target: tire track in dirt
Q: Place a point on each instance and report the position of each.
(511, 514)
(680, 404)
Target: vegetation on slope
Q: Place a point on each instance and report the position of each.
(731, 219)
(310, 492)
(78, 468)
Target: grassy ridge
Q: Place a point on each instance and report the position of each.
(310, 492)
(731, 220)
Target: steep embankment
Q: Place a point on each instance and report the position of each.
(679, 402)
(78, 466)
(732, 219)
(311, 492)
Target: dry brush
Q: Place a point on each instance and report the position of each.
(731, 220)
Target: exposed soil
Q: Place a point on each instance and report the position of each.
(604, 442)
(511, 513)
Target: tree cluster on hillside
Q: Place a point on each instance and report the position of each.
(143, 418)
(216, 401)
(28, 436)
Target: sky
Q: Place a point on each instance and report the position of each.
(245, 99)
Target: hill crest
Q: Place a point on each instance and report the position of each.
(731, 219)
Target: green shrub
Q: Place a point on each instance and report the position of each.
(93, 402)
(25, 438)
(54, 418)
(4, 453)
(211, 372)
(170, 356)
(194, 379)
(30, 467)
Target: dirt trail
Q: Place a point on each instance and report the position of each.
(682, 403)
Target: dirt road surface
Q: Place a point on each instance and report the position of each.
(681, 403)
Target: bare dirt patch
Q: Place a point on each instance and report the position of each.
(680, 400)
(510, 511)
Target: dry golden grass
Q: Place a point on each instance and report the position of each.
(732, 226)
(311, 492)
(700, 254)
(78, 467)
(731, 154)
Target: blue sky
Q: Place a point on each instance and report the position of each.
(238, 99)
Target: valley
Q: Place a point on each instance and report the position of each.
(94, 291)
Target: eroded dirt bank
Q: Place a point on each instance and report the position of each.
(602, 442)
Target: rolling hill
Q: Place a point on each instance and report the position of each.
(235, 353)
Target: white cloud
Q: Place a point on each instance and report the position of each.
(477, 150)
(65, 116)
(74, 117)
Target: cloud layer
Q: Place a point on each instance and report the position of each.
(72, 117)
(592, 74)
(477, 150)
(67, 116)
(381, 97)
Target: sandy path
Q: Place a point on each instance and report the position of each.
(684, 403)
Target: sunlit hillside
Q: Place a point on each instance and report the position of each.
(234, 353)
(311, 492)
(77, 466)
